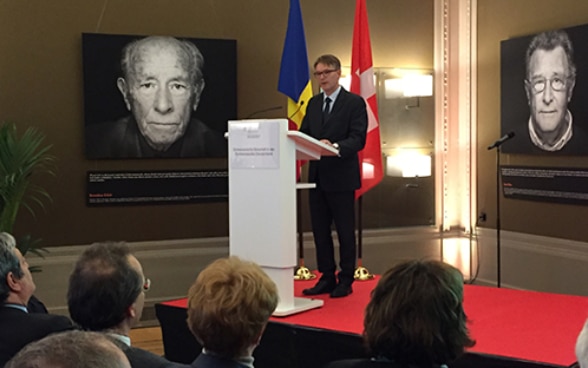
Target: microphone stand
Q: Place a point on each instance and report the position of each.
(498, 258)
(497, 145)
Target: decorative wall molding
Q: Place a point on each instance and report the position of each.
(455, 43)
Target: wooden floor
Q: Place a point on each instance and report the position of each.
(148, 338)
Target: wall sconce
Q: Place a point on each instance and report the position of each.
(345, 80)
(409, 85)
(408, 165)
(367, 170)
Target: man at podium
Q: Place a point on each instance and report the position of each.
(338, 118)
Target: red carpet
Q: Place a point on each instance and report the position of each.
(526, 325)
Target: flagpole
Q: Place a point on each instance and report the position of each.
(294, 82)
(361, 273)
(370, 157)
(302, 273)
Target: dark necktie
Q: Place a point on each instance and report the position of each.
(327, 109)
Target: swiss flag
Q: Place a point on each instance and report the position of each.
(362, 83)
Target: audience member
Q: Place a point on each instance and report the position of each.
(19, 327)
(415, 318)
(582, 347)
(107, 292)
(229, 305)
(34, 305)
(73, 349)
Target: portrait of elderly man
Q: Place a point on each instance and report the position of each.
(549, 84)
(161, 84)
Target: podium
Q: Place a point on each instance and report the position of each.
(262, 200)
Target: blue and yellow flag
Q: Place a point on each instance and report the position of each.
(294, 71)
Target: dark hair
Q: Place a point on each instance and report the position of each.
(9, 262)
(548, 41)
(70, 349)
(330, 60)
(102, 286)
(415, 315)
(193, 56)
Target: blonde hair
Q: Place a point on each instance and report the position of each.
(229, 305)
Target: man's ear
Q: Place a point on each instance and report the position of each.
(121, 83)
(13, 282)
(198, 88)
(131, 311)
(571, 89)
(527, 92)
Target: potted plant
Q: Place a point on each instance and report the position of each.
(20, 158)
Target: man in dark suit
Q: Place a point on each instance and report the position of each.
(338, 118)
(107, 293)
(161, 85)
(18, 327)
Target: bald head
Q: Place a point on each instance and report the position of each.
(187, 54)
(72, 349)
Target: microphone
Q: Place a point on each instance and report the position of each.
(264, 110)
(502, 139)
(296, 111)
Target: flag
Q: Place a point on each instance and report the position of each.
(362, 83)
(294, 79)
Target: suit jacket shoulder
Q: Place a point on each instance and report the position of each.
(212, 361)
(347, 126)
(20, 328)
(140, 358)
(363, 363)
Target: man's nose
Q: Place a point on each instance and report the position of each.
(163, 102)
(548, 94)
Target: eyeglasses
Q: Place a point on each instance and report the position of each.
(557, 84)
(323, 73)
(146, 285)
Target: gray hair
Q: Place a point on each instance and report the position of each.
(548, 41)
(582, 347)
(71, 349)
(7, 240)
(9, 262)
(193, 56)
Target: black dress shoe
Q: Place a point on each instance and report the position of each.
(341, 290)
(322, 287)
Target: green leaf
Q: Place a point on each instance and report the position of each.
(21, 158)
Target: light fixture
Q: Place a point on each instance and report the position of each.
(417, 85)
(408, 164)
(367, 170)
(345, 81)
(409, 85)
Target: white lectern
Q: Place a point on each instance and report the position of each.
(262, 200)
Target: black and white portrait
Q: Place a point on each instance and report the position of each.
(543, 92)
(157, 96)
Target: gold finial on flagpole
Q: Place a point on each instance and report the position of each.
(303, 273)
(362, 273)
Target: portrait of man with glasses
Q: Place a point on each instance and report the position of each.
(549, 85)
(543, 93)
